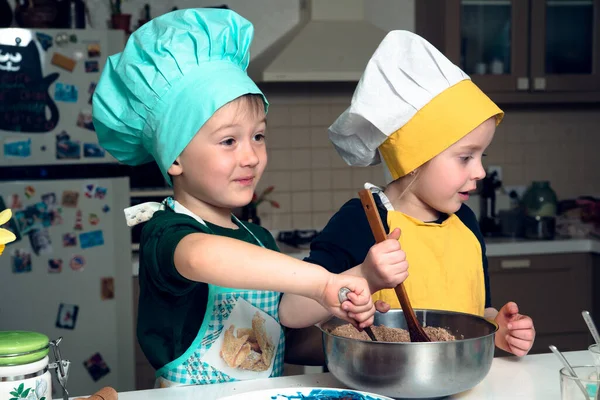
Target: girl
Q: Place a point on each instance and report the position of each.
(209, 284)
(430, 124)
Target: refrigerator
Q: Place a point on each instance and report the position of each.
(69, 274)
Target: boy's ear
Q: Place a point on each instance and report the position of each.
(175, 168)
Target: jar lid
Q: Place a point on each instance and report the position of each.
(21, 347)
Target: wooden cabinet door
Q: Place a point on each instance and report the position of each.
(488, 39)
(565, 45)
(552, 290)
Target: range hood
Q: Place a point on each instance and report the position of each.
(332, 42)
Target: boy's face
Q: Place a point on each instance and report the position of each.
(445, 181)
(225, 160)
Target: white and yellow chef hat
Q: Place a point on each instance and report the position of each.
(410, 104)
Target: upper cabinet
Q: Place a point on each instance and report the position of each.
(520, 50)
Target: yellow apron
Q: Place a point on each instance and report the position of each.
(445, 265)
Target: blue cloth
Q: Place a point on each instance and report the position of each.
(173, 74)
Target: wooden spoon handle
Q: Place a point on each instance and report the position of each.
(417, 334)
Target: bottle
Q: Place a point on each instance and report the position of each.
(540, 205)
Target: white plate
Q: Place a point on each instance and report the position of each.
(307, 393)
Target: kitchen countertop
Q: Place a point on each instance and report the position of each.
(531, 377)
(506, 247)
(495, 247)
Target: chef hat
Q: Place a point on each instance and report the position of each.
(410, 105)
(173, 74)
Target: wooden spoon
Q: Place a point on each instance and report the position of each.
(415, 330)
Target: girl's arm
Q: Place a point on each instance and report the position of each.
(233, 263)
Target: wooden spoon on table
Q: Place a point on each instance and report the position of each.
(415, 330)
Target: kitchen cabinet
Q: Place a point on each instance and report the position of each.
(553, 290)
(520, 51)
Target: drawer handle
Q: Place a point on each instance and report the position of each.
(515, 264)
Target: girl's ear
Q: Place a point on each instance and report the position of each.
(175, 168)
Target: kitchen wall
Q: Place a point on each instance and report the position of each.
(311, 181)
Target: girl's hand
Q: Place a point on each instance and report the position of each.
(515, 331)
(358, 309)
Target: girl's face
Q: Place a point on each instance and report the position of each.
(225, 160)
(444, 183)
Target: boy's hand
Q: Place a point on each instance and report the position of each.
(358, 309)
(385, 265)
(515, 331)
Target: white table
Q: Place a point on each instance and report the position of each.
(531, 377)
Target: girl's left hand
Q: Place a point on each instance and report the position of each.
(515, 331)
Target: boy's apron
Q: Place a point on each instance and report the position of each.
(445, 263)
(240, 337)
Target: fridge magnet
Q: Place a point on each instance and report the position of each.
(17, 148)
(25, 105)
(65, 92)
(91, 91)
(44, 40)
(69, 240)
(49, 199)
(93, 50)
(21, 261)
(55, 265)
(96, 367)
(70, 198)
(84, 120)
(91, 66)
(61, 38)
(78, 221)
(106, 208)
(77, 263)
(93, 219)
(91, 239)
(100, 193)
(73, 38)
(92, 150)
(63, 62)
(31, 217)
(29, 191)
(67, 148)
(15, 203)
(89, 190)
(40, 241)
(67, 316)
(107, 289)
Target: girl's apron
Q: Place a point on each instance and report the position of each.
(445, 263)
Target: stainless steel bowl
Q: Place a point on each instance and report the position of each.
(414, 370)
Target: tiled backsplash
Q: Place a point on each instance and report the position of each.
(312, 182)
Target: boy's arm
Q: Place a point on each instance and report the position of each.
(232, 263)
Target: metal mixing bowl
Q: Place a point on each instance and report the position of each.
(414, 370)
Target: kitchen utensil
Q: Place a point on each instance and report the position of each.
(106, 393)
(564, 361)
(586, 376)
(342, 297)
(307, 393)
(413, 370)
(417, 334)
(591, 326)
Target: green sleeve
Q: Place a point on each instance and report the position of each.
(159, 240)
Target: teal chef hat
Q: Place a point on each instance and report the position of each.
(174, 73)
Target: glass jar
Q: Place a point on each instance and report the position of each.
(540, 206)
(24, 372)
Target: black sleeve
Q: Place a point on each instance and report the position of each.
(467, 216)
(347, 238)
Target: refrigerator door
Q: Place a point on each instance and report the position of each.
(47, 78)
(69, 275)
